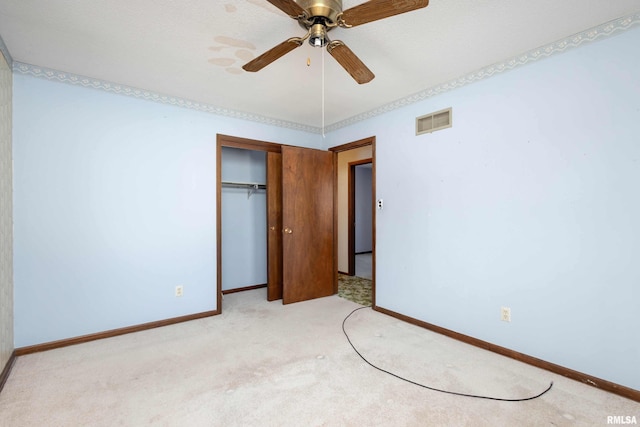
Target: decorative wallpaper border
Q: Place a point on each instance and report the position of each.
(602, 31)
(75, 79)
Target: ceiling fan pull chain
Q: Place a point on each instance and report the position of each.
(323, 93)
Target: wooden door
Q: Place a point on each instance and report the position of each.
(308, 219)
(274, 226)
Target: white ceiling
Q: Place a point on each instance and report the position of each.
(193, 49)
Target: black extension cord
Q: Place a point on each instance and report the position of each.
(433, 388)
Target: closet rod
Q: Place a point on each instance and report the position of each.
(250, 186)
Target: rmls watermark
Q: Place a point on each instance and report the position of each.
(622, 419)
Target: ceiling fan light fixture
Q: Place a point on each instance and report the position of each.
(318, 35)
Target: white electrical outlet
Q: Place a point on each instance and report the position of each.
(179, 290)
(505, 314)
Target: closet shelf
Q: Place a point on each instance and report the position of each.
(251, 187)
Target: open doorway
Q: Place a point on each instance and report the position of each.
(359, 155)
(360, 218)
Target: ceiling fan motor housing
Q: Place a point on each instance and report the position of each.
(329, 9)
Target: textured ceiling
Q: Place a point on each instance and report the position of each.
(193, 49)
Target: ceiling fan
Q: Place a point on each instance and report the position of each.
(319, 17)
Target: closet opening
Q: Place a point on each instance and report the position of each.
(246, 258)
(244, 219)
(268, 194)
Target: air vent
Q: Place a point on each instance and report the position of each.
(433, 122)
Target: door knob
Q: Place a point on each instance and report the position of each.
(288, 230)
(272, 228)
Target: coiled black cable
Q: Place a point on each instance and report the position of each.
(428, 387)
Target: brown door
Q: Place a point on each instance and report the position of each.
(308, 224)
(274, 226)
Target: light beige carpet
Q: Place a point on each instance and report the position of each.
(265, 364)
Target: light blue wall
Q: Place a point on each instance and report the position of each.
(530, 201)
(114, 205)
(244, 220)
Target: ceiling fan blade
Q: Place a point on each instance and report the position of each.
(350, 62)
(289, 7)
(378, 9)
(271, 55)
